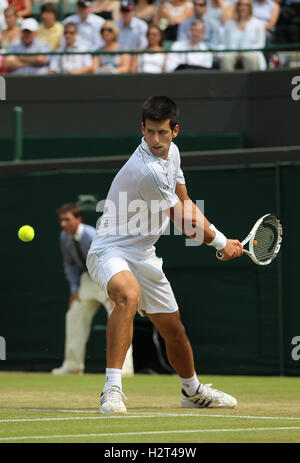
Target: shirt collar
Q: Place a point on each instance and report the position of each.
(73, 47)
(131, 25)
(88, 20)
(29, 46)
(79, 232)
(148, 151)
(146, 147)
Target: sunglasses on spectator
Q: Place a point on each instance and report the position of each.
(70, 32)
(200, 4)
(107, 29)
(243, 4)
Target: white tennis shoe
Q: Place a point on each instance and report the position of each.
(111, 401)
(207, 397)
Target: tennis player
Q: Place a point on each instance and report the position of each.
(148, 191)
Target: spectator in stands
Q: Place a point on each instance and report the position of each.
(244, 32)
(22, 7)
(50, 30)
(111, 64)
(212, 38)
(154, 63)
(190, 61)
(107, 9)
(132, 30)
(174, 12)
(147, 11)
(71, 64)
(37, 64)
(12, 34)
(220, 10)
(3, 6)
(88, 24)
(268, 12)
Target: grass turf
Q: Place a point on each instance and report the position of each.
(43, 408)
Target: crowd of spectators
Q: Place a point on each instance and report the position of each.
(204, 27)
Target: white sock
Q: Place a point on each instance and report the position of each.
(190, 385)
(113, 378)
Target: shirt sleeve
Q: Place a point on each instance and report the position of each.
(155, 189)
(180, 177)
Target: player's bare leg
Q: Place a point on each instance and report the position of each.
(180, 355)
(179, 350)
(124, 290)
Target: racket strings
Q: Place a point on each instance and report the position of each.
(266, 239)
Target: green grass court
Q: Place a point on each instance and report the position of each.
(37, 407)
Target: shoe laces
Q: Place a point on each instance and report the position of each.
(114, 393)
(209, 392)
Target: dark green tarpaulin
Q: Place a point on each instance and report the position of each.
(230, 310)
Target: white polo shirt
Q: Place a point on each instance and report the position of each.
(133, 213)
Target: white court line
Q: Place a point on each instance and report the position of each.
(147, 415)
(55, 410)
(143, 433)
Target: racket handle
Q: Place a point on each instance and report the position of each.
(219, 255)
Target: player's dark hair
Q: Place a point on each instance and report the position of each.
(69, 207)
(160, 108)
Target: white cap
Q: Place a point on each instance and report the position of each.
(30, 24)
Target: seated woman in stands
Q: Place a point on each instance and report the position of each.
(242, 33)
(268, 12)
(111, 63)
(151, 62)
(12, 34)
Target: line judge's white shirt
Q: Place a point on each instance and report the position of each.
(145, 178)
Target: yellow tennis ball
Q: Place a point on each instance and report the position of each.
(26, 233)
(255, 242)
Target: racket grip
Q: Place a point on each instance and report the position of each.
(219, 255)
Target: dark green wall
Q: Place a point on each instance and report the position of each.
(257, 104)
(230, 309)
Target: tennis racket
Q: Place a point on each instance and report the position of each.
(264, 240)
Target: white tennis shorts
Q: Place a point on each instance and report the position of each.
(156, 292)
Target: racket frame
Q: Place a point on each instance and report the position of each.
(250, 238)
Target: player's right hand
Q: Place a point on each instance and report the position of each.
(232, 250)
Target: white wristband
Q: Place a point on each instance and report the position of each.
(219, 241)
